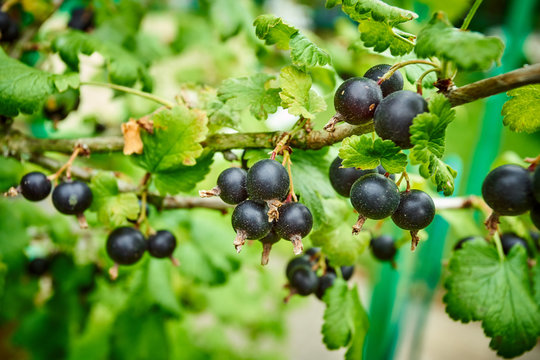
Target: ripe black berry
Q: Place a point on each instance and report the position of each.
(9, 29)
(267, 242)
(304, 280)
(375, 196)
(509, 240)
(161, 244)
(267, 180)
(395, 114)
(5, 20)
(507, 190)
(325, 281)
(35, 186)
(38, 266)
(125, 245)
(301, 261)
(250, 221)
(313, 252)
(394, 83)
(346, 271)
(536, 184)
(343, 178)
(72, 197)
(294, 223)
(356, 100)
(231, 186)
(81, 19)
(416, 210)
(383, 247)
(535, 215)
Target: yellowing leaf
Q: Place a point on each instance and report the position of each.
(521, 112)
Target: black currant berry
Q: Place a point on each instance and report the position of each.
(35, 186)
(313, 252)
(304, 280)
(267, 180)
(383, 247)
(301, 261)
(416, 210)
(325, 281)
(250, 221)
(161, 244)
(294, 223)
(375, 196)
(72, 197)
(126, 245)
(536, 184)
(507, 190)
(346, 271)
(38, 266)
(267, 242)
(5, 20)
(81, 19)
(395, 114)
(509, 240)
(356, 100)
(393, 84)
(535, 215)
(231, 186)
(343, 178)
(9, 29)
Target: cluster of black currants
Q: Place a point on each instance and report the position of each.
(375, 195)
(81, 19)
(508, 241)
(303, 278)
(126, 246)
(512, 190)
(9, 28)
(263, 210)
(70, 197)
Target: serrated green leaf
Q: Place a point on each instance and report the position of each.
(521, 111)
(175, 141)
(297, 95)
(381, 36)
(305, 53)
(428, 137)
(183, 178)
(123, 67)
(273, 30)
(251, 92)
(112, 207)
(361, 324)
(378, 11)
(466, 49)
(482, 287)
(25, 89)
(365, 153)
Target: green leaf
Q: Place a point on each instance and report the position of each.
(112, 207)
(175, 141)
(274, 31)
(381, 36)
(332, 3)
(365, 153)
(305, 53)
(251, 92)
(428, 137)
(482, 287)
(159, 285)
(183, 178)
(25, 89)
(536, 281)
(468, 50)
(345, 320)
(377, 10)
(521, 111)
(414, 71)
(297, 95)
(124, 68)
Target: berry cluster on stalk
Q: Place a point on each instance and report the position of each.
(312, 274)
(263, 211)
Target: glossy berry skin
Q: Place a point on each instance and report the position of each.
(267, 180)
(81, 19)
(343, 178)
(271, 238)
(375, 196)
(383, 247)
(325, 281)
(126, 245)
(393, 84)
(294, 219)
(507, 190)
(304, 280)
(35, 186)
(161, 244)
(536, 184)
(509, 240)
(382, 171)
(416, 210)
(356, 100)
(395, 114)
(301, 261)
(535, 215)
(232, 185)
(251, 217)
(38, 266)
(72, 197)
